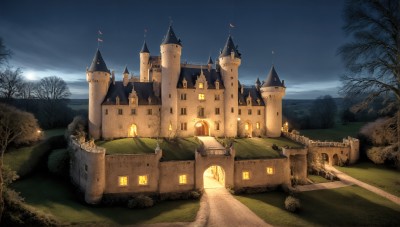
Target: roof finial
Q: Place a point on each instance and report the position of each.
(170, 21)
(145, 34)
(99, 38)
(230, 28)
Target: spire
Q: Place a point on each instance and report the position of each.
(170, 37)
(210, 62)
(98, 64)
(144, 48)
(258, 83)
(230, 47)
(273, 79)
(126, 70)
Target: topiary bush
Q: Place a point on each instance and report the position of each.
(292, 204)
(58, 162)
(140, 201)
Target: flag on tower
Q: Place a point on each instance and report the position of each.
(99, 40)
(100, 33)
(231, 25)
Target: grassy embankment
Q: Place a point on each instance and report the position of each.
(336, 133)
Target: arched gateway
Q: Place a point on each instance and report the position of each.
(202, 128)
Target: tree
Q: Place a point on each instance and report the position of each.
(11, 82)
(373, 56)
(16, 127)
(52, 88)
(27, 90)
(4, 52)
(323, 112)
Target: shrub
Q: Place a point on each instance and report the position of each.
(140, 201)
(195, 195)
(180, 195)
(377, 155)
(58, 162)
(77, 127)
(292, 204)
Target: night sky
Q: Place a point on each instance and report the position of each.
(60, 38)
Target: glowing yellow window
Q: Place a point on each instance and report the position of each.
(170, 127)
(270, 170)
(246, 126)
(183, 179)
(201, 85)
(201, 97)
(246, 175)
(258, 125)
(122, 181)
(142, 180)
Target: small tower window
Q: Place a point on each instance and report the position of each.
(149, 112)
(201, 85)
(231, 96)
(183, 96)
(183, 179)
(106, 112)
(277, 113)
(245, 175)
(183, 111)
(239, 111)
(232, 110)
(170, 127)
(183, 126)
(170, 110)
(133, 111)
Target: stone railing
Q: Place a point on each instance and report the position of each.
(215, 151)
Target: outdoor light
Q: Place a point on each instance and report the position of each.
(38, 131)
(198, 124)
(238, 118)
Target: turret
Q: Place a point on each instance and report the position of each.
(171, 50)
(125, 79)
(144, 63)
(210, 63)
(98, 77)
(229, 62)
(272, 92)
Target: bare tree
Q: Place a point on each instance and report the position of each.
(15, 127)
(52, 88)
(4, 52)
(10, 82)
(27, 89)
(373, 56)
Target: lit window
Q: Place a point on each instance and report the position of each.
(270, 170)
(201, 85)
(142, 180)
(246, 175)
(170, 127)
(122, 181)
(246, 126)
(258, 125)
(183, 179)
(202, 97)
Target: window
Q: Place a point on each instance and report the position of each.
(201, 97)
(258, 112)
(258, 125)
(117, 100)
(201, 112)
(119, 111)
(232, 84)
(277, 113)
(216, 111)
(184, 126)
(170, 110)
(231, 96)
(270, 170)
(232, 110)
(183, 179)
(122, 181)
(201, 85)
(86, 167)
(249, 112)
(183, 96)
(142, 180)
(216, 85)
(169, 95)
(239, 111)
(217, 126)
(216, 97)
(245, 175)
(133, 111)
(149, 111)
(183, 111)
(184, 83)
(106, 113)
(246, 126)
(170, 127)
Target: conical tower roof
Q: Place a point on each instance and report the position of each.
(170, 37)
(273, 79)
(210, 61)
(144, 48)
(98, 64)
(229, 47)
(126, 70)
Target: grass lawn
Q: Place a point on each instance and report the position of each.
(57, 197)
(334, 134)
(318, 179)
(249, 148)
(179, 149)
(380, 176)
(54, 132)
(349, 206)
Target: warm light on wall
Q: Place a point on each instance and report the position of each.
(122, 181)
(198, 124)
(246, 175)
(142, 180)
(246, 126)
(270, 170)
(170, 127)
(183, 179)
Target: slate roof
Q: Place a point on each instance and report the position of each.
(170, 37)
(98, 64)
(229, 47)
(144, 48)
(126, 70)
(254, 93)
(210, 61)
(144, 90)
(273, 79)
(191, 74)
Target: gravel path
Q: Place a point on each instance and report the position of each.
(322, 186)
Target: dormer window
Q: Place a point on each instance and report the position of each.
(117, 100)
(217, 85)
(248, 102)
(149, 99)
(201, 85)
(259, 101)
(184, 83)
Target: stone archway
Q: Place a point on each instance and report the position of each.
(248, 129)
(325, 158)
(132, 131)
(201, 128)
(214, 177)
(335, 159)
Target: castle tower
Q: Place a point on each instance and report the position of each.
(125, 79)
(272, 92)
(229, 62)
(98, 77)
(144, 63)
(171, 50)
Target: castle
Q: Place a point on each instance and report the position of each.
(179, 99)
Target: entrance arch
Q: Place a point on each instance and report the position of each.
(325, 158)
(201, 129)
(214, 177)
(335, 160)
(132, 131)
(248, 129)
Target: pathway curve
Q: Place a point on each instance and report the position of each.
(348, 179)
(322, 186)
